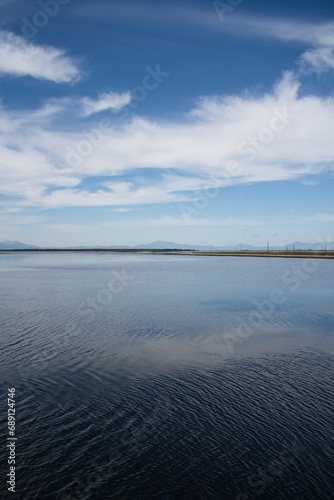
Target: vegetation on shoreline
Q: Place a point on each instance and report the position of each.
(258, 253)
(301, 253)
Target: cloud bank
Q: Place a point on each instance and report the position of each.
(224, 140)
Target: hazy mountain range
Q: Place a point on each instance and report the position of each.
(164, 245)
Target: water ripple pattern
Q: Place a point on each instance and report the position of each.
(126, 387)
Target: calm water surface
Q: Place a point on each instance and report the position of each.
(168, 377)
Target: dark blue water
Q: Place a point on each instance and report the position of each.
(168, 377)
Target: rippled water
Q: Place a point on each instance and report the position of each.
(168, 377)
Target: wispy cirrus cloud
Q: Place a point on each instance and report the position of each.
(109, 100)
(309, 182)
(319, 35)
(292, 30)
(205, 17)
(18, 58)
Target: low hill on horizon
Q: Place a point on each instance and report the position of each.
(16, 245)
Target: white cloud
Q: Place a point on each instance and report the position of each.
(21, 58)
(224, 140)
(82, 198)
(318, 60)
(110, 100)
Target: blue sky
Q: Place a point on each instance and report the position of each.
(200, 122)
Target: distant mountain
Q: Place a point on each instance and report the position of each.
(164, 245)
(16, 245)
(170, 245)
(313, 246)
(98, 247)
(297, 245)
